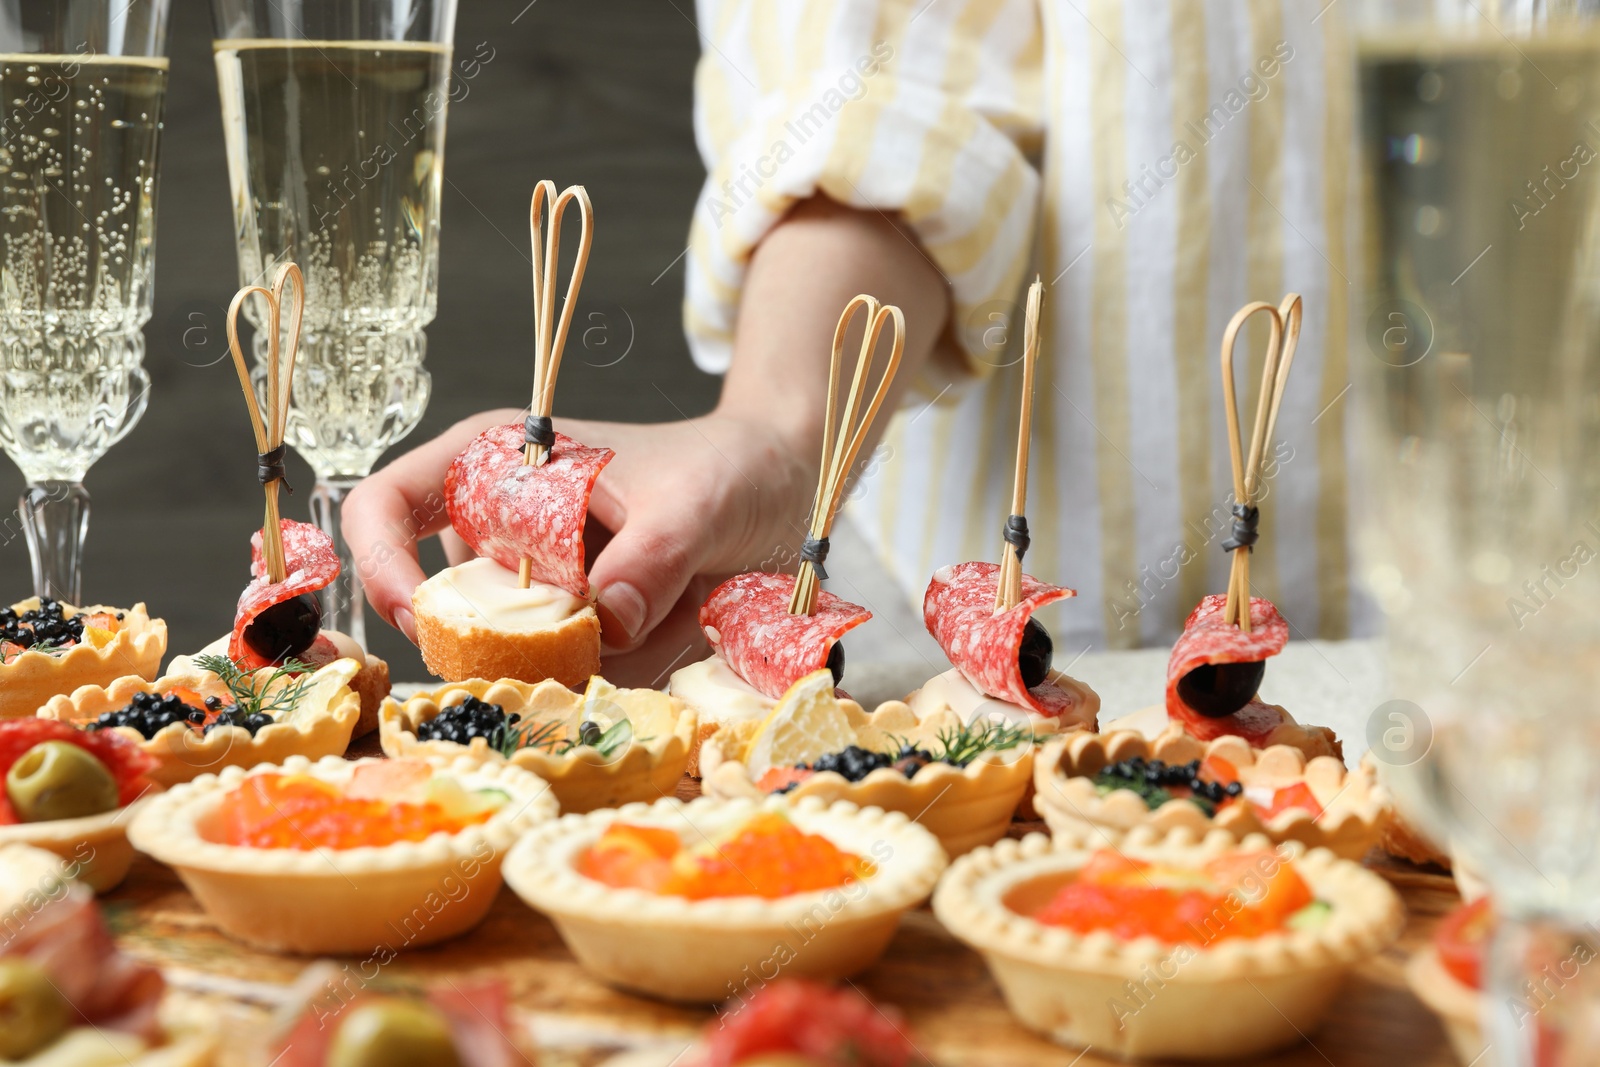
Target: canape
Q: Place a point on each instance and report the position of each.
(769, 630)
(48, 648)
(603, 748)
(344, 856)
(1121, 780)
(962, 782)
(687, 901)
(518, 495)
(72, 792)
(1167, 946)
(68, 997)
(222, 716)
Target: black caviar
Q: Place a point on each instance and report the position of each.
(150, 713)
(42, 627)
(855, 763)
(464, 721)
(1154, 779)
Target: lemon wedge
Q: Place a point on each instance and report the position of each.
(95, 637)
(807, 722)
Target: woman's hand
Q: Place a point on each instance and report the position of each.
(707, 497)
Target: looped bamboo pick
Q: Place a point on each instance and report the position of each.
(539, 429)
(841, 442)
(269, 430)
(1281, 343)
(1008, 591)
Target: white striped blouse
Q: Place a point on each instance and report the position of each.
(1159, 163)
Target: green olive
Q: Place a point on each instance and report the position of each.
(33, 1013)
(393, 1033)
(59, 780)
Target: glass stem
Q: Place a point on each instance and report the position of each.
(1543, 997)
(55, 520)
(342, 606)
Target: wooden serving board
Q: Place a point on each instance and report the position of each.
(954, 1009)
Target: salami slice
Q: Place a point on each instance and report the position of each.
(958, 610)
(312, 563)
(747, 621)
(509, 511)
(1208, 639)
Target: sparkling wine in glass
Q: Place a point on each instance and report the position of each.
(82, 83)
(334, 122)
(1481, 427)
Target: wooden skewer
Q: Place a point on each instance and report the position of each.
(841, 442)
(1008, 591)
(269, 430)
(1281, 344)
(548, 346)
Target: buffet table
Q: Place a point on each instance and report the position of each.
(954, 1009)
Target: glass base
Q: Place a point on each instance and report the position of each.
(342, 607)
(55, 520)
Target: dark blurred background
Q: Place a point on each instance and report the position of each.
(596, 92)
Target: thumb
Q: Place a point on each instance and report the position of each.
(641, 573)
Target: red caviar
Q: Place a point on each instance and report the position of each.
(302, 812)
(766, 857)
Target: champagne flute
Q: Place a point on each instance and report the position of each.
(334, 118)
(1481, 424)
(82, 83)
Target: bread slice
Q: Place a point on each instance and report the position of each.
(474, 620)
(453, 650)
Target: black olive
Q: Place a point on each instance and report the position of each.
(1033, 659)
(1217, 690)
(286, 629)
(836, 662)
(589, 732)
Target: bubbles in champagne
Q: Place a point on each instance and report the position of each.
(335, 150)
(78, 148)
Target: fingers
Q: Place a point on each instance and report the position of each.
(644, 570)
(389, 511)
(676, 642)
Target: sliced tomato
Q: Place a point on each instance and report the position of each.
(1291, 797)
(1460, 941)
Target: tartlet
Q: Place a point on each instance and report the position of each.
(1355, 808)
(1219, 1001)
(320, 723)
(703, 950)
(341, 900)
(31, 677)
(91, 841)
(963, 807)
(584, 777)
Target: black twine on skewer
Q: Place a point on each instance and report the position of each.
(1016, 534)
(270, 468)
(539, 430)
(1246, 517)
(814, 550)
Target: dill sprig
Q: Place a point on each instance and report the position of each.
(510, 737)
(965, 743)
(253, 694)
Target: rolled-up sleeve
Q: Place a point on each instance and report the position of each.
(929, 109)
